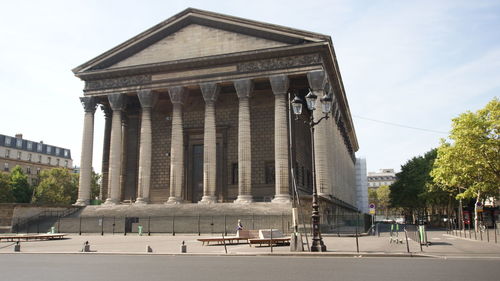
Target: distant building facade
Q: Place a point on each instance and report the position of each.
(31, 156)
(197, 111)
(361, 185)
(380, 178)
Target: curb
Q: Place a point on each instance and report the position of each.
(307, 254)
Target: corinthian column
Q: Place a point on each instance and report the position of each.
(317, 84)
(177, 96)
(244, 87)
(89, 105)
(210, 92)
(147, 99)
(105, 152)
(117, 102)
(279, 84)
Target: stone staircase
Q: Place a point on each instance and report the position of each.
(6, 213)
(158, 196)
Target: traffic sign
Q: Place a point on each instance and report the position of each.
(372, 208)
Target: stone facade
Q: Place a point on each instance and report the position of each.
(221, 129)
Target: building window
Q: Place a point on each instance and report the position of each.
(19, 143)
(39, 147)
(58, 161)
(7, 141)
(49, 149)
(66, 163)
(30, 145)
(37, 171)
(6, 167)
(66, 153)
(28, 170)
(234, 173)
(7, 153)
(49, 160)
(19, 155)
(270, 173)
(29, 156)
(39, 158)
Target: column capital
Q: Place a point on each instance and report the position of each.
(279, 84)
(316, 80)
(89, 103)
(178, 94)
(106, 109)
(117, 101)
(210, 91)
(147, 98)
(244, 88)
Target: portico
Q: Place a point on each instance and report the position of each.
(197, 110)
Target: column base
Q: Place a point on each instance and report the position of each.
(82, 202)
(174, 200)
(111, 202)
(141, 201)
(208, 199)
(244, 199)
(282, 198)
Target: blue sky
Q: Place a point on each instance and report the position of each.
(415, 63)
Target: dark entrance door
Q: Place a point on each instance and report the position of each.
(197, 172)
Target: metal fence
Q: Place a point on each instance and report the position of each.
(198, 224)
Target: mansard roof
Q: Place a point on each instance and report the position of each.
(168, 37)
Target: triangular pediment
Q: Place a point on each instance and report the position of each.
(197, 40)
(194, 34)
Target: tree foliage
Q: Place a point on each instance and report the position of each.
(409, 190)
(57, 186)
(6, 195)
(95, 185)
(471, 161)
(21, 189)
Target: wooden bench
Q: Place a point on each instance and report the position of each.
(241, 235)
(27, 237)
(270, 237)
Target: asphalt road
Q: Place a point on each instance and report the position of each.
(75, 267)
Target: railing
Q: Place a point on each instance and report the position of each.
(26, 222)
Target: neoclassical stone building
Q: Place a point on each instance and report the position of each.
(197, 110)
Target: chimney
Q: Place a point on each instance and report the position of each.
(19, 136)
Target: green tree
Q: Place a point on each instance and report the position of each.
(21, 189)
(470, 161)
(372, 196)
(57, 186)
(6, 195)
(408, 192)
(383, 196)
(95, 185)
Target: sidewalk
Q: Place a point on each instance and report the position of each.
(443, 245)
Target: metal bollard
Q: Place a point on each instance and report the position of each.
(17, 247)
(183, 247)
(149, 249)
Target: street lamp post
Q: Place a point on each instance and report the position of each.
(326, 105)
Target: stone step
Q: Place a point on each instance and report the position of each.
(158, 196)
